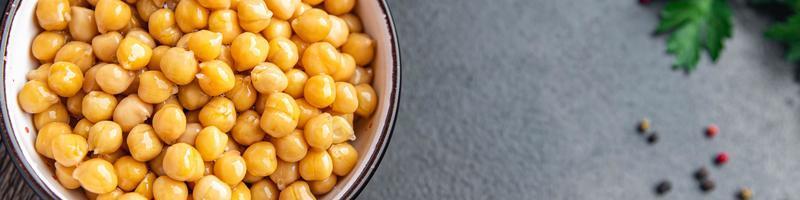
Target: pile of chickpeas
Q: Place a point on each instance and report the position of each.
(199, 99)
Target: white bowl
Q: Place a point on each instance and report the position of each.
(19, 135)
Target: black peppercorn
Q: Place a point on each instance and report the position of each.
(663, 187)
(652, 138)
(701, 174)
(707, 185)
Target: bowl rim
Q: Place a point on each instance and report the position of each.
(38, 186)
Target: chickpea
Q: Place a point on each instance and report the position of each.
(134, 23)
(113, 195)
(143, 36)
(301, 46)
(40, 73)
(154, 87)
(353, 22)
(342, 130)
(53, 15)
(192, 97)
(243, 93)
(321, 58)
(313, 25)
(90, 195)
(302, 8)
(344, 158)
(240, 192)
(268, 78)
(64, 176)
(167, 188)
(215, 78)
(297, 190)
(36, 97)
(283, 9)
(292, 147)
(143, 143)
(233, 146)
(82, 128)
(157, 164)
(114, 79)
(131, 111)
(361, 47)
(132, 196)
(283, 52)
(55, 113)
(260, 158)
(171, 101)
(145, 187)
(69, 149)
(248, 50)
(225, 22)
(169, 123)
(78, 53)
(253, 15)
(155, 60)
(297, 81)
(145, 8)
(316, 166)
(230, 168)
(261, 102)
(96, 176)
(338, 7)
(215, 4)
(179, 65)
(277, 28)
(105, 46)
(313, 2)
(110, 157)
(112, 15)
(210, 142)
(206, 45)
(183, 163)
(247, 130)
(318, 131)
(133, 54)
(65, 79)
(90, 80)
(129, 172)
(320, 91)
(285, 174)
(219, 112)
(190, 16)
(46, 135)
(346, 69)
(184, 42)
(280, 116)
(105, 137)
(264, 189)
(307, 111)
(249, 178)
(346, 100)
(210, 187)
(133, 88)
(82, 26)
(98, 106)
(367, 100)
(339, 31)
(324, 186)
(225, 56)
(164, 28)
(190, 135)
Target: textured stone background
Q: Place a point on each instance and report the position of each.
(537, 99)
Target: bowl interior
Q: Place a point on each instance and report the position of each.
(372, 132)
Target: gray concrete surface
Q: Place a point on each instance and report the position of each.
(537, 99)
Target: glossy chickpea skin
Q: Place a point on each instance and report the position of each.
(307, 111)
(346, 69)
(105, 137)
(264, 189)
(324, 186)
(78, 53)
(313, 2)
(55, 113)
(190, 135)
(215, 4)
(361, 76)
(96, 176)
(277, 28)
(53, 15)
(225, 22)
(82, 128)
(339, 32)
(46, 135)
(312, 26)
(260, 159)
(268, 78)
(253, 15)
(132, 196)
(367, 100)
(145, 8)
(190, 16)
(143, 143)
(210, 187)
(353, 22)
(301, 46)
(243, 94)
(169, 123)
(74, 103)
(318, 131)
(296, 191)
(36, 97)
(167, 188)
(317, 165)
(230, 168)
(361, 47)
(346, 100)
(155, 60)
(247, 130)
(111, 157)
(344, 158)
(338, 7)
(132, 111)
(154, 87)
(143, 36)
(69, 149)
(285, 174)
(248, 50)
(283, 9)
(192, 97)
(40, 73)
(98, 106)
(320, 91)
(113, 79)
(210, 143)
(225, 55)
(110, 195)
(297, 81)
(215, 78)
(162, 27)
(219, 112)
(179, 66)
(321, 58)
(64, 176)
(301, 8)
(133, 54)
(283, 53)
(280, 116)
(342, 130)
(206, 45)
(105, 46)
(112, 15)
(292, 147)
(145, 187)
(240, 192)
(129, 173)
(65, 79)
(182, 162)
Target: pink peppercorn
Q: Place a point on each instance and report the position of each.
(712, 130)
(721, 158)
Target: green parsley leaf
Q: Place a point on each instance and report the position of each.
(695, 25)
(787, 32)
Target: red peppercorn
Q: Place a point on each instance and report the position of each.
(712, 130)
(721, 158)
(645, 1)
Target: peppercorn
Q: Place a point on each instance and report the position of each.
(663, 187)
(645, 2)
(745, 194)
(707, 185)
(652, 138)
(721, 158)
(644, 126)
(701, 174)
(712, 130)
